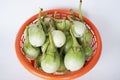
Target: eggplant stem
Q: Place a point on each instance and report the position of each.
(64, 25)
(45, 15)
(39, 17)
(52, 23)
(44, 26)
(47, 43)
(54, 19)
(62, 49)
(73, 15)
(70, 19)
(51, 27)
(80, 11)
(52, 45)
(75, 42)
(40, 21)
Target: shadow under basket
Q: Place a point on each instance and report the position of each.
(96, 46)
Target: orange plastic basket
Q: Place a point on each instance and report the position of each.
(96, 45)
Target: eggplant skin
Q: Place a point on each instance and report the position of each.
(30, 51)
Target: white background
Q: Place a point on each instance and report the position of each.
(105, 14)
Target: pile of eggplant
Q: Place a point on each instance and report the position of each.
(58, 45)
